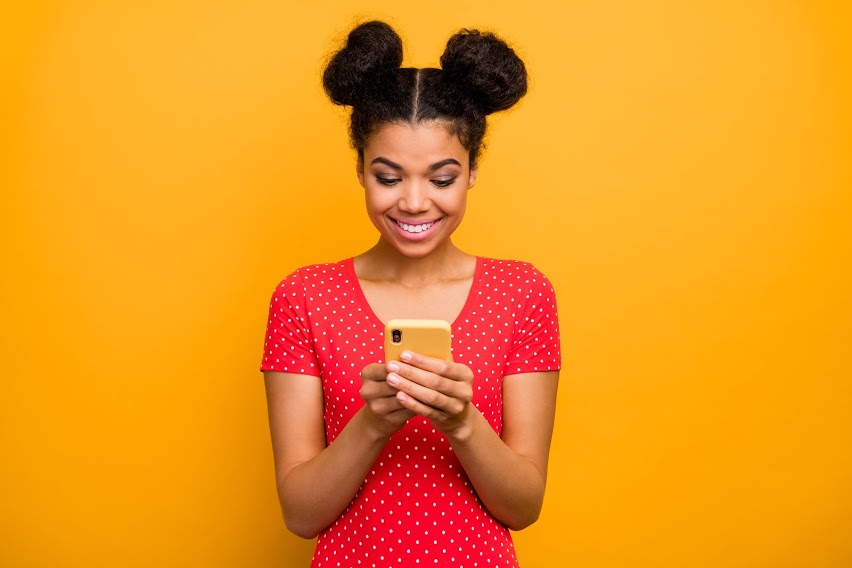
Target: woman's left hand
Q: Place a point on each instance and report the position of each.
(439, 390)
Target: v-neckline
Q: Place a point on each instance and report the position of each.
(349, 266)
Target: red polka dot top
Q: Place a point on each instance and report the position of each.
(417, 506)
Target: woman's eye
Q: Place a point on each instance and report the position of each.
(444, 182)
(390, 182)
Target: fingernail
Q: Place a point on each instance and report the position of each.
(405, 356)
(393, 367)
(400, 396)
(393, 379)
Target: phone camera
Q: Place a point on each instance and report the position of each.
(396, 335)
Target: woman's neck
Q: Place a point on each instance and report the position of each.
(385, 263)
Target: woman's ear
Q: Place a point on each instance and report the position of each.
(473, 171)
(359, 169)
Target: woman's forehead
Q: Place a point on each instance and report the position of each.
(417, 143)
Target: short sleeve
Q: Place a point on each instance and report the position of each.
(289, 344)
(535, 344)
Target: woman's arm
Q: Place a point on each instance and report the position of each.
(509, 474)
(316, 482)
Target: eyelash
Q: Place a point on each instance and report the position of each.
(390, 182)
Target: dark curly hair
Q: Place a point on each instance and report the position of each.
(480, 74)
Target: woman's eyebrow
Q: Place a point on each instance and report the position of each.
(386, 162)
(443, 163)
(433, 167)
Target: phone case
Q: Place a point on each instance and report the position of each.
(432, 338)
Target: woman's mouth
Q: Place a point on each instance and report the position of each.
(415, 231)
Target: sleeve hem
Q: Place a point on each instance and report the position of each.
(308, 372)
(543, 368)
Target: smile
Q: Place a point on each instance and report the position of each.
(416, 231)
(414, 228)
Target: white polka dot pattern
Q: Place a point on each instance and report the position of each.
(416, 507)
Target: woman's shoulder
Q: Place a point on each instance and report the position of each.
(312, 276)
(320, 272)
(517, 283)
(510, 270)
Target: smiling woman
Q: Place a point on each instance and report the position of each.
(415, 460)
(416, 186)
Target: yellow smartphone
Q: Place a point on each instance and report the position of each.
(432, 338)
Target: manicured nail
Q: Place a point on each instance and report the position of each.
(405, 356)
(393, 367)
(393, 379)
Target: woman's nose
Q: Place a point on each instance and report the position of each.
(415, 198)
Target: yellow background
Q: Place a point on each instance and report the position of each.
(681, 170)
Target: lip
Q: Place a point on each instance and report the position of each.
(405, 235)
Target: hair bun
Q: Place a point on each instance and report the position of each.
(372, 49)
(485, 67)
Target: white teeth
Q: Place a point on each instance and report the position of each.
(414, 228)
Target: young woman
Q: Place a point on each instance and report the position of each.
(418, 461)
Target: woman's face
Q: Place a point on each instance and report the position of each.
(415, 179)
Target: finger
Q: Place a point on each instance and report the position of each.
(386, 406)
(462, 390)
(373, 372)
(430, 397)
(418, 407)
(449, 369)
(373, 389)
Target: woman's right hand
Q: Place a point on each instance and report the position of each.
(384, 411)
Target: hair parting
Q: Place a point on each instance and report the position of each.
(479, 75)
(416, 101)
